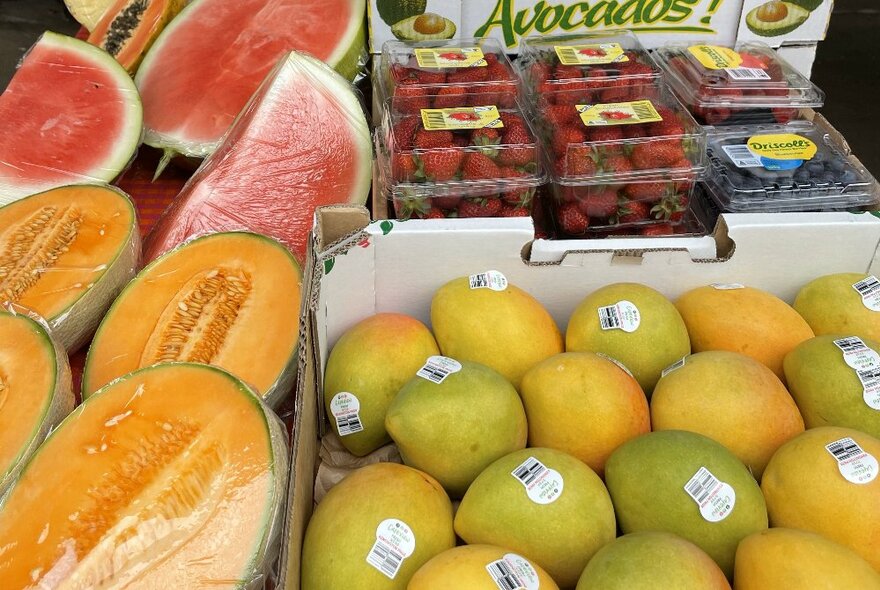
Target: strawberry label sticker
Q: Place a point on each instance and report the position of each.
(438, 368)
(854, 464)
(461, 118)
(618, 113)
(869, 290)
(739, 67)
(491, 279)
(866, 363)
(543, 485)
(673, 367)
(616, 362)
(395, 542)
(623, 315)
(600, 53)
(450, 57)
(513, 572)
(727, 286)
(715, 498)
(345, 408)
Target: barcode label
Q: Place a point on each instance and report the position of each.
(747, 74)
(869, 289)
(715, 498)
(674, 366)
(438, 368)
(433, 119)
(865, 361)
(616, 362)
(623, 315)
(644, 110)
(394, 543)
(854, 464)
(491, 279)
(345, 408)
(543, 485)
(513, 572)
(603, 53)
(742, 156)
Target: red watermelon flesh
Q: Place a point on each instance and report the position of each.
(70, 115)
(208, 62)
(302, 141)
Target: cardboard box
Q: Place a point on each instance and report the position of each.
(357, 268)
(656, 21)
(802, 57)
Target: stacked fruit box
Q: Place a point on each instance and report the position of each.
(454, 140)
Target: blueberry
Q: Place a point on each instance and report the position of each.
(829, 178)
(815, 168)
(849, 176)
(837, 165)
(802, 176)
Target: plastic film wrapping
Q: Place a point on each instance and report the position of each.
(164, 490)
(75, 248)
(302, 141)
(71, 115)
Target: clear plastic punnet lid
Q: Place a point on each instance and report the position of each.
(747, 74)
(412, 70)
(567, 61)
(792, 167)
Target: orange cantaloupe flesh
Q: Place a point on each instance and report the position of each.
(165, 479)
(228, 299)
(54, 246)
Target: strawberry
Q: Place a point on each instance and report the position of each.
(450, 97)
(616, 91)
(564, 72)
(558, 115)
(426, 140)
(658, 229)
(668, 126)
(447, 202)
(782, 115)
(616, 164)
(580, 162)
(434, 213)
(468, 75)
(430, 77)
(637, 72)
(478, 166)
(539, 71)
(409, 97)
(510, 119)
(404, 130)
(652, 154)
(606, 133)
(572, 220)
(596, 79)
(460, 141)
(498, 71)
(599, 202)
(647, 191)
(482, 207)
(485, 136)
(565, 136)
(510, 211)
(632, 212)
(441, 165)
(404, 167)
(635, 131)
(671, 208)
(516, 156)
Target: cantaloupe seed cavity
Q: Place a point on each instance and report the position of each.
(158, 496)
(123, 26)
(34, 246)
(4, 389)
(195, 323)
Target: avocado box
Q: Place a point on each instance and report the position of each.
(356, 268)
(657, 22)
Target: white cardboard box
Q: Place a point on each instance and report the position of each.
(356, 268)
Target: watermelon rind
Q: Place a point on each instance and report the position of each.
(60, 404)
(349, 59)
(127, 138)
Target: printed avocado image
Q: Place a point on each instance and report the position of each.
(424, 27)
(777, 18)
(810, 5)
(394, 11)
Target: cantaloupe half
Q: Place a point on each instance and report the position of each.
(172, 477)
(66, 253)
(35, 390)
(228, 299)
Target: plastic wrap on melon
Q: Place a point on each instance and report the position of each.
(137, 490)
(70, 115)
(301, 142)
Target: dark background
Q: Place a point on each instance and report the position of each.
(847, 65)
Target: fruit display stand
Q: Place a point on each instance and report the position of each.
(397, 266)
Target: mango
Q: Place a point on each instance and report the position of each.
(480, 567)
(584, 405)
(652, 478)
(505, 329)
(731, 398)
(651, 560)
(375, 529)
(807, 488)
(744, 320)
(542, 504)
(831, 305)
(454, 429)
(827, 390)
(789, 558)
(366, 368)
(633, 324)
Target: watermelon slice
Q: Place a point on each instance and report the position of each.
(70, 115)
(208, 62)
(302, 141)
